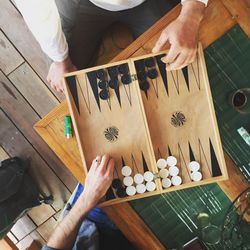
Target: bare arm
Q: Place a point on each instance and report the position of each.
(97, 182)
(182, 34)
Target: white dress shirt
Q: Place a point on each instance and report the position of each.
(43, 20)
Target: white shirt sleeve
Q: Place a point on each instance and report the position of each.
(202, 1)
(42, 18)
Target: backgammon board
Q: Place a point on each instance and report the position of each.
(158, 125)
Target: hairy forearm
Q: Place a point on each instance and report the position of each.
(193, 11)
(65, 234)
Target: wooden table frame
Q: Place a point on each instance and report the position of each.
(220, 16)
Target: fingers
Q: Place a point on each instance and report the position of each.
(172, 54)
(110, 168)
(95, 163)
(160, 42)
(178, 62)
(104, 162)
(185, 57)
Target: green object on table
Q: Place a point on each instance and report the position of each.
(67, 126)
(177, 217)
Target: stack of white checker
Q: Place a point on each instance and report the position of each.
(139, 183)
(169, 172)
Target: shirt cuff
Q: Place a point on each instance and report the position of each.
(202, 1)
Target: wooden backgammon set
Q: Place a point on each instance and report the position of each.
(158, 125)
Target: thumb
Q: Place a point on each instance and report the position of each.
(161, 41)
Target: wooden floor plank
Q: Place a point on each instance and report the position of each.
(41, 213)
(24, 117)
(10, 57)
(23, 227)
(240, 11)
(24, 243)
(46, 229)
(3, 154)
(15, 144)
(18, 33)
(12, 237)
(33, 89)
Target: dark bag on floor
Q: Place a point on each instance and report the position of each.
(18, 193)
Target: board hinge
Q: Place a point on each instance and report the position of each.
(134, 77)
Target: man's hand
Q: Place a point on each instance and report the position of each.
(57, 70)
(98, 180)
(182, 34)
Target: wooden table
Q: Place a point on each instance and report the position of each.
(220, 16)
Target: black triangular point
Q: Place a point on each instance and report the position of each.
(185, 74)
(117, 92)
(169, 151)
(93, 83)
(71, 81)
(110, 194)
(214, 162)
(123, 162)
(145, 166)
(191, 154)
(162, 68)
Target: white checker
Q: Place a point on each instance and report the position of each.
(128, 181)
(161, 163)
(196, 176)
(173, 171)
(148, 176)
(194, 166)
(131, 190)
(166, 183)
(150, 186)
(164, 173)
(176, 180)
(140, 188)
(138, 178)
(126, 171)
(171, 161)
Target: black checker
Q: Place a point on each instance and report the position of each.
(149, 62)
(123, 68)
(113, 72)
(113, 84)
(142, 76)
(116, 183)
(126, 79)
(121, 192)
(104, 94)
(152, 73)
(139, 65)
(100, 73)
(103, 84)
(144, 85)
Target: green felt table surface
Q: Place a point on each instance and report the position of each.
(173, 217)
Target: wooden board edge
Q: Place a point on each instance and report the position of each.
(46, 120)
(45, 135)
(212, 112)
(168, 190)
(76, 130)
